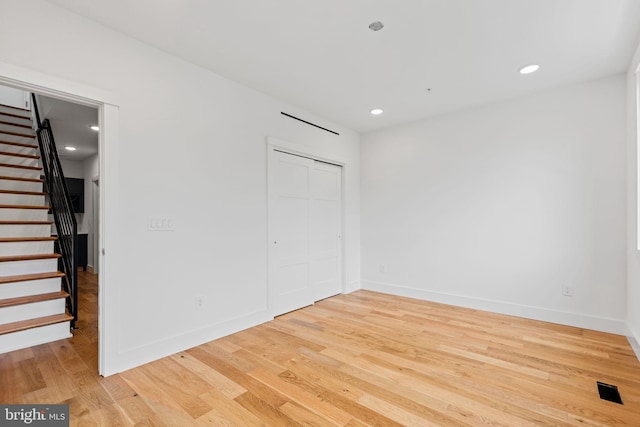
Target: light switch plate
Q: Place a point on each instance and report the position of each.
(160, 223)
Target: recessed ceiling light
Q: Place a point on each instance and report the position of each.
(376, 26)
(69, 148)
(95, 127)
(377, 111)
(529, 69)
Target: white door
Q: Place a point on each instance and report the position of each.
(304, 231)
(325, 230)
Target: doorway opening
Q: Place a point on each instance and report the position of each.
(107, 112)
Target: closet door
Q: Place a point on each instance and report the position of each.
(325, 230)
(304, 232)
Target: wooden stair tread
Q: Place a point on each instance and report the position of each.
(33, 298)
(24, 207)
(34, 323)
(10, 165)
(26, 222)
(27, 239)
(27, 277)
(26, 135)
(18, 144)
(15, 108)
(11, 258)
(2, 122)
(25, 156)
(17, 178)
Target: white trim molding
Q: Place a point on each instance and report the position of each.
(613, 326)
(634, 340)
(169, 345)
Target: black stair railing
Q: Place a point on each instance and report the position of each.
(62, 209)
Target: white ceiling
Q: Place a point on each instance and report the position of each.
(70, 124)
(320, 55)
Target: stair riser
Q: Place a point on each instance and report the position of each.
(20, 139)
(32, 337)
(15, 268)
(29, 311)
(20, 173)
(15, 111)
(9, 184)
(34, 287)
(25, 248)
(18, 149)
(23, 214)
(16, 120)
(24, 230)
(21, 199)
(15, 129)
(22, 161)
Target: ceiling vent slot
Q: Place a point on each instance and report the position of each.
(309, 123)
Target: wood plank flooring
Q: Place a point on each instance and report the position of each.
(351, 360)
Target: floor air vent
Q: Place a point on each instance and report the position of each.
(609, 392)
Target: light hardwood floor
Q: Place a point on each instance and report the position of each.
(351, 360)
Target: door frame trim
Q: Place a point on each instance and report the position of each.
(278, 145)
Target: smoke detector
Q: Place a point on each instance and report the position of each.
(376, 26)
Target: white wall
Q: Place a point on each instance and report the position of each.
(90, 170)
(72, 168)
(191, 144)
(498, 207)
(14, 97)
(633, 254)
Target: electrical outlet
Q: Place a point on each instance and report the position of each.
(199, 303)
(383, 268)
(567, 290)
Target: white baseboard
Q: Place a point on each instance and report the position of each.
(167, 346)
(634, 340)
(352, 287)
(602, 324)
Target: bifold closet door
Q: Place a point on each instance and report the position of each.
(305, 229)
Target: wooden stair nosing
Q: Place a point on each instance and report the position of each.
(34, 323)
(24, 207)
(18, 144)
(27, 239)
(23, 193)
(9, 165)
(19, 178)
(2, 122)
(25, 135)
(27, 277)
(29, 299)
(12, 222)
(33, 257)
(26, 156)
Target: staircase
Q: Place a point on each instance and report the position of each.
(32, 299)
